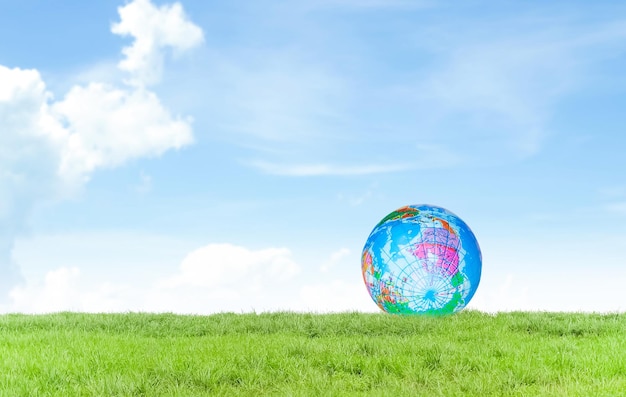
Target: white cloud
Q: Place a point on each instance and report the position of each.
(57, 292)
(27, 158)
(228, 265)
(49, 148)
(562, 273)
(24, 115)
(19, 84)
(227, 277)
(65, 289)
(327, 169)
(427, 156)
(46, 146)
(154, 29)
(107, 126)
(213, 278)
(581, 289)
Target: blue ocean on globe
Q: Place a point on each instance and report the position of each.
(421, 259)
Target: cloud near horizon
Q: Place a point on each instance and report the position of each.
(210, 279)
(228, 265)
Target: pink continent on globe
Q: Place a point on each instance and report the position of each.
(439, 251)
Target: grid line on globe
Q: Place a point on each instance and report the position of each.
(421, 259)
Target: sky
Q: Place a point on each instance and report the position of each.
(202, 157)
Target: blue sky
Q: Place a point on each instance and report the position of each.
(199, 157)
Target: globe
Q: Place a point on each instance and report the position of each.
(421, 259)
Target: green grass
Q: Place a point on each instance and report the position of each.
(468, 354)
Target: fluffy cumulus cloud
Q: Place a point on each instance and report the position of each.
(227, 264)
(105, 126)
(226, 277)
(153, 29)
(27, 157)
(50, 147)
(67, 289)
(57, 292)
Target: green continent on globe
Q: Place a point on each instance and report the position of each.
(404, 212)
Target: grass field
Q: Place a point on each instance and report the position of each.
(468, 354)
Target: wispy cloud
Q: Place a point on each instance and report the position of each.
(327, 169)
(485, 89)
(502, 84)
(424, 156)
(277, 97)
(617, 208)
